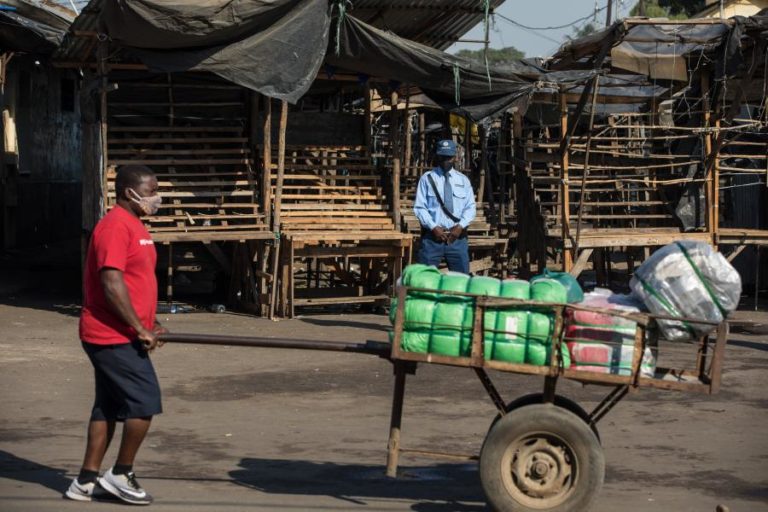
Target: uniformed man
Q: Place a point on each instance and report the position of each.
(445, 206)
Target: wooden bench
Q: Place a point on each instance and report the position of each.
(339, 243)
(206, 178)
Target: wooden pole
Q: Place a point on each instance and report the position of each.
(396, 419)
(709, 158)
(422, 139)
(407, 128)
(395, 148)
(278, 201)
(467, 144)
(565, 214)
(266, 158)
(483, 164)
(367, 121)
(103, 54)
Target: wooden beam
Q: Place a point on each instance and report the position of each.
(266, 159)
(395, 143)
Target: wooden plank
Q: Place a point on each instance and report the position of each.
(174, 129)
(180, 152)
(249, 226)
(178, 140)
(175, 161)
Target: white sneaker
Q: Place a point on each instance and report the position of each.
(125, 487)
(80, 492)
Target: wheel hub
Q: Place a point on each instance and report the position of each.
(542, 470)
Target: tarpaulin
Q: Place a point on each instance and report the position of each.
(455, 84)
(660, 51)
(25, 27)
(272, 46)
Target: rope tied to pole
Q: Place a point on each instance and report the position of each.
(486, 10)
(457, 84)
(341, 6)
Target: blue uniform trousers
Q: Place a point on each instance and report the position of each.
(456, 254)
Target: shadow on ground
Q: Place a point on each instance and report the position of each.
(24, 470)
(439, 487)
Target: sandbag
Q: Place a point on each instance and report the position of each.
(573, 290)
(689, 279)
(548, 290)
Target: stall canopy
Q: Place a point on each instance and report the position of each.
(278, 47)
(31, 28)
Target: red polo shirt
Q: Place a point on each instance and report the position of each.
(120, 241)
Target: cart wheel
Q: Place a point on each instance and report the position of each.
(541, 457)
(560, 401)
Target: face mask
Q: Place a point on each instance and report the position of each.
(149, 205)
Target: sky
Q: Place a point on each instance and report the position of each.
(539, 13)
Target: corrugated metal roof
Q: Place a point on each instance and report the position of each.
(437, 23)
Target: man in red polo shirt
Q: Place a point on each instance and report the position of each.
(118, 330)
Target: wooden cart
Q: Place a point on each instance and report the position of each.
(543, 450)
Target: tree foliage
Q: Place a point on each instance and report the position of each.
(672, 9)
(495, 55)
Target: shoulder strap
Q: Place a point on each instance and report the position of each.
(440, 199)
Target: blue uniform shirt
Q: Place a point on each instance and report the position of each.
(428, 210)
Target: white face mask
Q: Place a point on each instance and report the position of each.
(149, 205)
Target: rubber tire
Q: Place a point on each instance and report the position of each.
(560, 401)
(543, 418)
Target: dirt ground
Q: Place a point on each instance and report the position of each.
(265, 429)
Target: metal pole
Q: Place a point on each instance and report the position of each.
(608, 13)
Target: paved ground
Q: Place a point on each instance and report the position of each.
(266, 430)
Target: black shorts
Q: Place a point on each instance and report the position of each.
(126, 383)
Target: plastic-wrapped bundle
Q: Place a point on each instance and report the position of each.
(688, 279)
(609, 358)
(541, 325)
(601, 342)
(489, 286)
(422, 276)
(416, 341)
(511, 338)
(454, 282)
(573, 290)
(511, 343)
(452, 327)
(545, 289)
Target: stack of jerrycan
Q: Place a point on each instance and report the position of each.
(441, 324)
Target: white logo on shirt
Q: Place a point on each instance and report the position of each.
(144, 241)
